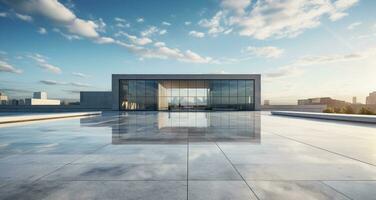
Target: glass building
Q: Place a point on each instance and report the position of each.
(186, 92)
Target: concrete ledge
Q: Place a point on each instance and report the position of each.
(329, 116)
(25, 118)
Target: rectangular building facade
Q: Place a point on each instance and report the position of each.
(177, 92)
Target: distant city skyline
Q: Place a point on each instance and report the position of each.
(303, 49)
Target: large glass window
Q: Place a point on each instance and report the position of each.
(186, 94)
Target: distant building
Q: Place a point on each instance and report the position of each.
(354, 100)
(40, 95)
(3, 99)
(371, 99)
(323, 101)
(266, 102)
(40, 98)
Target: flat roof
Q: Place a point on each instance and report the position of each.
(186, 76)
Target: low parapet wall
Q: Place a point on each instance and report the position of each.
(301, 108)
(50, 108)
(36, 117)
(329, 116)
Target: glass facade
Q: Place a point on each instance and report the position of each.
(186, 94)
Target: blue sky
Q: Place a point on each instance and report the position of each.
(302, 48)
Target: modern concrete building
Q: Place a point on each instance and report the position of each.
(186, 91)
(96, 99)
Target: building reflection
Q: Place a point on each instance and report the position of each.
(180, 127)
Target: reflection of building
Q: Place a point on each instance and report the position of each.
(371, 99)
(40, 98)
(186, 92)
(323, 101)
(3, 99)
(179, 127)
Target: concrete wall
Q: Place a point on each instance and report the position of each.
(302, 108)
(95, 99)
(117, 77)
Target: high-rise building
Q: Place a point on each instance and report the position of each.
(354, 100)
(371, 99)
(40, 95)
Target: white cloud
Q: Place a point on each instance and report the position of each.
(119, 19)
(197, 34)
(150, 31)
(104, 40)
(134, 39)
(26, 18)
(6, 67)
(162, 32)
(59, 15)
(237, 5)
(81, 75)
(67, 36)
(187, 23)
(353, 25)
(52, 82)
(3, 14)
(266, 51)
(274, 19)
(42, 31)
(78, 84)
(140, 20)
(42, 63)
(214, 24)
(297, 67)
(166, 23)
(159, 44)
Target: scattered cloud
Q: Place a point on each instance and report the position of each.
(140, 20)
(162, 32)
(60, 15)
(150, 31)
(42, 63)
(353, 25)
(197, 34)
(166, 23)
(78, 84)
(297, 67)
(134, 39)
(42, 31)
(266, 51)
(6, 67)
(187, 23)
(26, 18)
(51, 82)
(67, 36)
(81, 75)
(3, 14)
(274, 19)
(119, 19)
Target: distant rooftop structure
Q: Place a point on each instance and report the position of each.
(40, 98)
(3, 99)
(371, 98)
(40, 95)
(322, 101)
(266, 102)
(354, 100)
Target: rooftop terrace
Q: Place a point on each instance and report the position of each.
(187, 155)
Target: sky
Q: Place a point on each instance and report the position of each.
(301, 48)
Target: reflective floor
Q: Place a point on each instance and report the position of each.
(188, 155)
